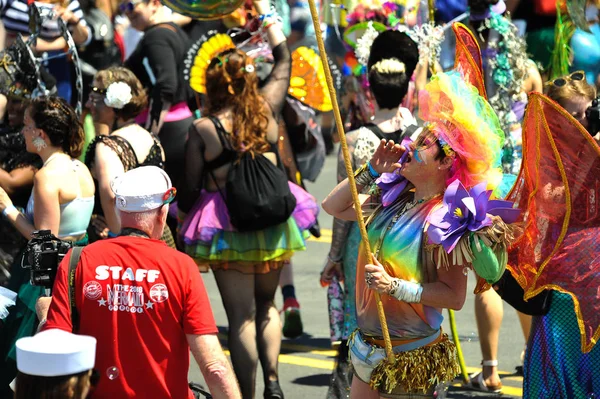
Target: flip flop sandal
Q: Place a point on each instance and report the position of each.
(477, 383)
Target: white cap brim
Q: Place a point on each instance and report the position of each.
(54, 353)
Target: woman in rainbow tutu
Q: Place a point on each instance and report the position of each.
(418, 229)
(246, 264)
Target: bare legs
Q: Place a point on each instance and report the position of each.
(360, 390)
(489, 313)
(525, 321)
(287, 275)
(254, 325)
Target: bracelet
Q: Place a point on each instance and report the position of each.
(405, 291)
(270, 20)
(267, 24)
(372, 171)
(8, 210)
(336, 260)
(271, 14)
(363, 177)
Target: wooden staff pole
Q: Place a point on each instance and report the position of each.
(344, 146)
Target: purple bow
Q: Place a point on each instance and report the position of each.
(392, 184)
(466, 211)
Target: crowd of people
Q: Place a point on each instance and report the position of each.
(188, 154)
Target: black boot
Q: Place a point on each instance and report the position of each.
(273, 390)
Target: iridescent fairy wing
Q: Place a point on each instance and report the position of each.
(468, 57)
(558, 190)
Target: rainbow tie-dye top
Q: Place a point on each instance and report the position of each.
(403, 256)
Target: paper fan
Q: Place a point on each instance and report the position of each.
(308, 84)
(199, 56)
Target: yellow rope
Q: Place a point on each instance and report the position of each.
(340, 129)
(431, 4)
(459, 354)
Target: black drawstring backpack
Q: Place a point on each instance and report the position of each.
(257, 193)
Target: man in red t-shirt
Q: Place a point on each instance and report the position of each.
(144, 302)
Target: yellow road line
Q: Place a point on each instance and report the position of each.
(307, 362)
(325, 237)
(313, 350)
(506, 390)
(329, 365)
(309, 349)
(302, 361)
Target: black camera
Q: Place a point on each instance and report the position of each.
(44, 252)
(592, 115)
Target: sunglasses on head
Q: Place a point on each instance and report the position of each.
(562, 81)
(129, 6)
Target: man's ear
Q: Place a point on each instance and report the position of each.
(446, 163)
(164, 212)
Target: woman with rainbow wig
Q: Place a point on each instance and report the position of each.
(419, 231)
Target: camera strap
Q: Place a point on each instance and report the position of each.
(73, 262)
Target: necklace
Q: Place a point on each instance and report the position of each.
(414, 203)
(409, 205)
(52, 157)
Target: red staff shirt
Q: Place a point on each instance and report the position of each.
(138, 298)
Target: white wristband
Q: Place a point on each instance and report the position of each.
(9, 209)
(406, 291)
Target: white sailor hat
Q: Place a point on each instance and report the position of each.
(55, 352)
(142, 189)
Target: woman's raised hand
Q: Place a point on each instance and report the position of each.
(385, 159)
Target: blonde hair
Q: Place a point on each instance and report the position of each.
(389, 65)
(573, 89)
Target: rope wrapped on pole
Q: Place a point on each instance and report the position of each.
(344, 147)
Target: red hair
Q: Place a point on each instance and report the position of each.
(232, 83)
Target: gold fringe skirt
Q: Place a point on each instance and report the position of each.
(417, 371)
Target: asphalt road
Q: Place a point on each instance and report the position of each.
(305, 363)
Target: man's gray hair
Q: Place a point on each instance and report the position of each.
(140, 220)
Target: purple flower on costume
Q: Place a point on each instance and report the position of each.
(466, 211)
(392, 184)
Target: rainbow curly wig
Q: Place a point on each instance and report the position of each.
(465, 121)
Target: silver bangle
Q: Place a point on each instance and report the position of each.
(336, 260)
(393, 287)
(364, 178)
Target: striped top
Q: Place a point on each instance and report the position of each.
(15, 16)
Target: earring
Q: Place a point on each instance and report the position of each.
(39, 143)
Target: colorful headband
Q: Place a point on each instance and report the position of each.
(446, 147)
